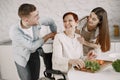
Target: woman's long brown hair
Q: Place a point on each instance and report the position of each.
(103, 37)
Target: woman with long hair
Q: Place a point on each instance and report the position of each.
(95, 30)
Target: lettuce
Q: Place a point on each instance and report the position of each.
(116, 65)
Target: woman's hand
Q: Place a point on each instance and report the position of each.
(81, 40)
(91, 55)
(79, 63)
(90, 44)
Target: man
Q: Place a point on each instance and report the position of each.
(25, 40)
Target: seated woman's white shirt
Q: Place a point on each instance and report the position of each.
(65, 48)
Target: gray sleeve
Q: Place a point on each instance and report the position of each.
(49, 22)
(18, 38)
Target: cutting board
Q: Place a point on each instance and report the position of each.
(106, 63)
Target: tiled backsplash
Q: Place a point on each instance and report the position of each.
(55, 9)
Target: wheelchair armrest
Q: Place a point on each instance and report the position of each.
(58, 72)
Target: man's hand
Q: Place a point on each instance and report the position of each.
(50, 35)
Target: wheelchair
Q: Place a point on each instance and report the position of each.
(51, 71)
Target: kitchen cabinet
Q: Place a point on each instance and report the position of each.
(112, 48)
(115, 44)
(115, 47)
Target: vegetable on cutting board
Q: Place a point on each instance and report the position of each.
(92, 65)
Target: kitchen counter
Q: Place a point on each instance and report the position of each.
(6, 42)
(107, 73)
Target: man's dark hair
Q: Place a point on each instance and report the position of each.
(26, 9)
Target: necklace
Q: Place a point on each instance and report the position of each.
(71, 35)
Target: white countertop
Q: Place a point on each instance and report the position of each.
(108, 56)
(107, 74)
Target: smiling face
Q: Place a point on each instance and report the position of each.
(69, 22)
(33, 18)
(92, 21)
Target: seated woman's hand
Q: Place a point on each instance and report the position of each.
(91, 55)
(79, 63)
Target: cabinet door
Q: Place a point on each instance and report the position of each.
(117, 47)
(112, 47)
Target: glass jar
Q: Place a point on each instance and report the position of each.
(116, 30)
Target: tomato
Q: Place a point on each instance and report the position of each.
(100, 62)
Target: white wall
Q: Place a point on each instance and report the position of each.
(56, 9)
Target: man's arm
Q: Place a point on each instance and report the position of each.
(49, 22)
(50, 35)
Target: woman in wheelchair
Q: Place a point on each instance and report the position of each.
(67, 50)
